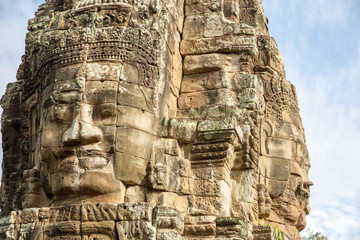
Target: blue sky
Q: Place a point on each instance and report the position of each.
(320, 44)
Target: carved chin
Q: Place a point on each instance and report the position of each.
(88, 183)
(301, 222)
(96, 162)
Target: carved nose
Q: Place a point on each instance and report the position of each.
(89, 134)
(81, 133)
(307, 209)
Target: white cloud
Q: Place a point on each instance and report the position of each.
(336, 218)
(326, 11)
(321, 49)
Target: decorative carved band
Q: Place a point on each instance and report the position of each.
(87, 4)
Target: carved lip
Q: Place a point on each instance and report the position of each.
(90, 150)
(92, 157)
(69, 164)
(88, 157)
(93, 162)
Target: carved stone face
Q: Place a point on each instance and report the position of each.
(96, 132)
(285, 165)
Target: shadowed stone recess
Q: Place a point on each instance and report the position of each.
(152, 119)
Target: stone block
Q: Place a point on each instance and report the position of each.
(52, 135)
(194, 27)
(67, 97)
(65, 73)
(276, 187)
(203, 230)
(134, 142)
(171, 147)
(134, 211)
(100, 92)
(165, 172)
(251, 98)
(66, 85)
(214, 25)
(263, 233)
(242, 186)
(275, 168)
(194, 64)
(198, 99)
(61, 213)
(241, 81)
(168, 218)
(233, 44)
(10, 219)
(99, 230)
(212, 170)
(302, 155)
(31, 231)
(203, 82)
(213, 97)
(10, 231)
(99, 212)
(136, 194)
(218, 206)
(291, 131)
(102, 183)
(247, 15)
(181, 130)
(29, 215)
(200, 226)
(295, 169)
(135, 96)
(280, 148)
(131, 117)
(279, 169)
(135, 230)
(168, 235)
(231, 227)
(168, 199)
(130, 73)
(69, 228)
(199, 7)
(103, 71)
(109, 137)
(130, 169)
(205, 188)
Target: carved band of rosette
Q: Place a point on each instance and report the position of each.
(109, 51)
(278, 103)
(112, 51)
(84, 5)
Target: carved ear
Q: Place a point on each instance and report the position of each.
(267, 130)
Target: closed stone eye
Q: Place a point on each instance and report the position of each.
(61, 114)
(107, 110)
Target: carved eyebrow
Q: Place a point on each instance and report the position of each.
(67, 97)
(106, 106)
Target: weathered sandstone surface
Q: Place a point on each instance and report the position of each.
(152, 119)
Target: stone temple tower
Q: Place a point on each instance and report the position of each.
(152, 119)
